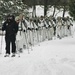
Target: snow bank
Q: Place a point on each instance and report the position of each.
(56, 57)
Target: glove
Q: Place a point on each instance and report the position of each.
(71, 24)
(24, 31)
(36, 28)
(44, 25)
(49, 26)
(29, 29)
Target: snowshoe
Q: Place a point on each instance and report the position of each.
(13, 55)
(7, 55)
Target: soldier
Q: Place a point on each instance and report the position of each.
(11, 28)
(69, 26)
(59, 27)
(41, 29)
(54, 26)
(31, 32)
(64, 24)
(23, 27)
(47, 31)
(51, 27)
(19, 37)
(35, 24)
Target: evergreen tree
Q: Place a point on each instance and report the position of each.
(72, 8)
(12, 6)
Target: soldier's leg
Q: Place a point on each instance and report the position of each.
(13, 39)
(32, 37)
(40, 34)
(48, 34)
(43, 36)
(65, 30)
(62, 33)
(28, 37)
(58, 32)
(37, 34)
(51, 33)
(7, 40)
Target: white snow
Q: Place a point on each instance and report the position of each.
(56, 57)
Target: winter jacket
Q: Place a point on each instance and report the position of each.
(11, 28)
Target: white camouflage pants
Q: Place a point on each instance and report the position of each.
(59, 32)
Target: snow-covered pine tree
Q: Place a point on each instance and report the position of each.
(12, 6)
(72, 8)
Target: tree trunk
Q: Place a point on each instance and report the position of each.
(64, 11)
(45, 7)
(34, 11)
(45, 10)
(54, 11)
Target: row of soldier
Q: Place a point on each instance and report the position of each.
(35, 30)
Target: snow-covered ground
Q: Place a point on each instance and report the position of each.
(56, 57)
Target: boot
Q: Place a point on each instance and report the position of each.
(13, 55)
(6, 55)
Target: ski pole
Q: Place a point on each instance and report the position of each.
(30, 33)
(26, 37)
(18, 51)
(1, 43)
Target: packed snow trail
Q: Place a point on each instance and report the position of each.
(56, 57)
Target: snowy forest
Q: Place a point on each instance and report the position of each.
(37, 37)
(23, 6)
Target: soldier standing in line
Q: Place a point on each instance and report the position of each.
(11, 28)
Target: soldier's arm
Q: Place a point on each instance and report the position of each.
(4, 26)
(16, 27)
